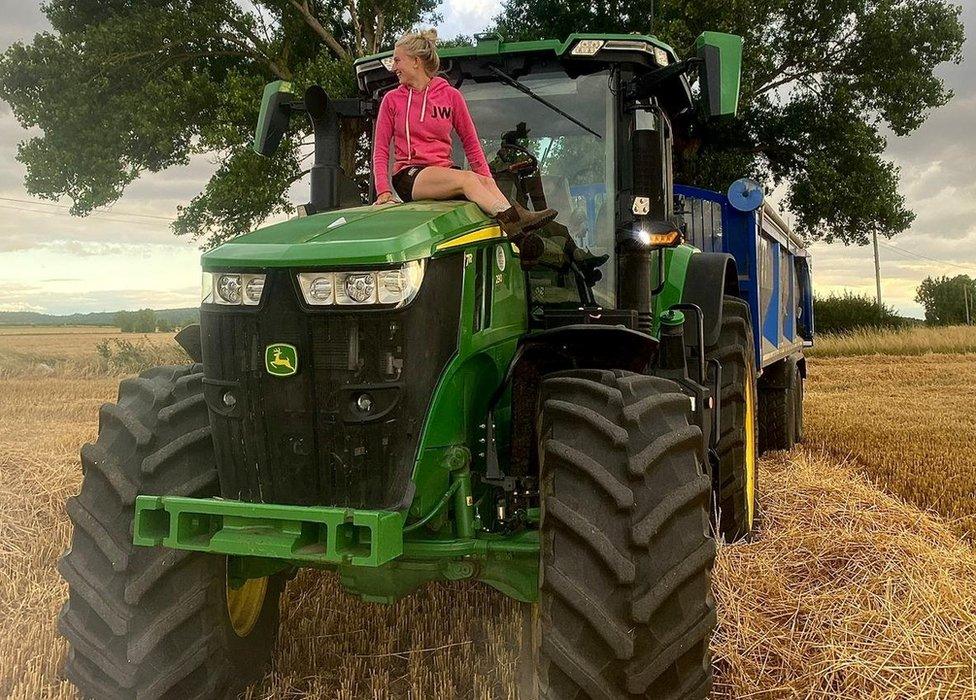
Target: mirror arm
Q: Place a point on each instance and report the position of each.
(643, 86)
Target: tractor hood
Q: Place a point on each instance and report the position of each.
(349, 237)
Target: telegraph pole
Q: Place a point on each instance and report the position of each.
(965, 296)
(877, 266)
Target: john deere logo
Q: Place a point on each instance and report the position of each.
(281, 359)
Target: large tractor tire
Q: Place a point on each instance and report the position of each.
(736, 480)
(780, 406)
(149, 622)
(625, 609)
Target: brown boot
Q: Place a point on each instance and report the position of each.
(510, 222)
(530, 245)
(531, 220)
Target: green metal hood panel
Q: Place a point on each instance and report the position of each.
(361, 236)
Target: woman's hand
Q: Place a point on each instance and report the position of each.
(384, 198)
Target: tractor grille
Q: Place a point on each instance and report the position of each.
(305, 439)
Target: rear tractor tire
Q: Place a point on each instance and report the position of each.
(151, 622)
(625, 608)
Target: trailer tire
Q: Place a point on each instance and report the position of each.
(625, 608)
(735, 481)
(151, 622)
(778, 407)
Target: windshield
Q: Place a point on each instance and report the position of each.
(576, 167)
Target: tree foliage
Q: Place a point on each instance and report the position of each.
(944, 299)
(822, 82)
(141, 321)
(840, 313)
(123, 87)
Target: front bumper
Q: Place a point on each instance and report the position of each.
(309, 534)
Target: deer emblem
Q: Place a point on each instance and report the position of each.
(280, 361)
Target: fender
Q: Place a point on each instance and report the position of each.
(596, 346)
(189, 339)
(710, 276)
(576, 346)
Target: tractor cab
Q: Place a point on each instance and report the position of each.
(584, 126)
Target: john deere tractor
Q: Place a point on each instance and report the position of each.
(399, 394)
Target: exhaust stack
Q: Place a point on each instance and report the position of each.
(325, 168)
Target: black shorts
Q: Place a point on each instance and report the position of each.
(403, 182)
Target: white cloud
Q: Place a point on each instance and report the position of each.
(467, 17)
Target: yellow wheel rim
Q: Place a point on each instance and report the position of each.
(751, 447)
(244, 604)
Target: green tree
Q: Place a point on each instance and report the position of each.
(141, 321)
(821, 82)
(123, 319)
(945, 299)
(122, 87)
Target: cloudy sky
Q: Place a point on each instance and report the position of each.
(126, 256)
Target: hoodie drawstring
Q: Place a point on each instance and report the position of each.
(409, 102)
(423, 113)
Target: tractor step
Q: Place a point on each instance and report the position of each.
(297, 533)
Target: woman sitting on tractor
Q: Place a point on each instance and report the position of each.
(419, 116)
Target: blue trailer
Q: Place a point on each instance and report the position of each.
(775, 279)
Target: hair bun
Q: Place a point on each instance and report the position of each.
(430, 35)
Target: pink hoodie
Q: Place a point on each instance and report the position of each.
(420, 122)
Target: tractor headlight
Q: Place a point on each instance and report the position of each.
(253, 289)
(206, 288)
(587, 47)
(398, 286)
(232, 288)
(355, 288)
(229, 289)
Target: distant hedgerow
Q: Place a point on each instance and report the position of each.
(837, 313)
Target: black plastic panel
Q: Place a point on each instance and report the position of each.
(303, 439)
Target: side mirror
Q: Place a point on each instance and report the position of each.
(273, 118)
(721, 56)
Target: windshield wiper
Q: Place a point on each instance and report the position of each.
(522, 87)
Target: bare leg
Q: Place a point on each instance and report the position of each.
(444, 183)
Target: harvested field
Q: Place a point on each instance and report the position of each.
(82, 351)
(909, 423)
(846, 591)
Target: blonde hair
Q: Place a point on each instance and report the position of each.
(422, 45)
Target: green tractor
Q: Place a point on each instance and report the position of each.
(397, 394)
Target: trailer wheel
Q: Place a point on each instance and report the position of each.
(625, 608)
(780, 400)
(151, 622)
(735, 481)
